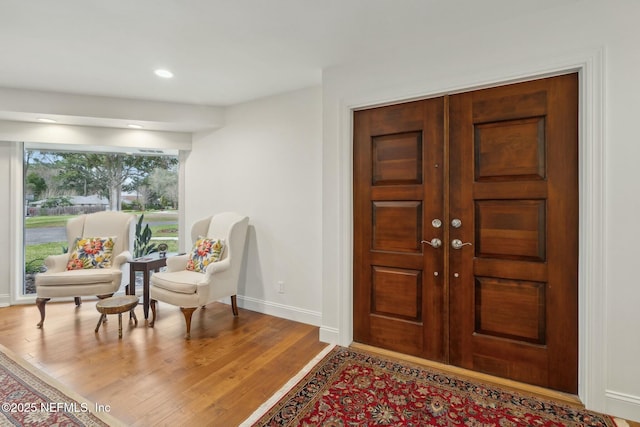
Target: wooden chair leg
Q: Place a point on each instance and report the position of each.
(78, 301)
(152, 304)
(40, 302)
(234, 305)
(188, 311)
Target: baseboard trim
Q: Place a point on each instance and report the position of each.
(281, 310)
(329, 335)
(623, 405)
(5, 300)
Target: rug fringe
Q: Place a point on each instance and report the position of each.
(620, 422)
(285, 388)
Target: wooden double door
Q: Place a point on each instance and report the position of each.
(466, 230)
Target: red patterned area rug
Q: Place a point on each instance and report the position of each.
(352, 388)
(29, 397)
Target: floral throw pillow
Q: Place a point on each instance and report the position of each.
(204, 252)
(91, 252)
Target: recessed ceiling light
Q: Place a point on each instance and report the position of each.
(133, 126)
(166, 74)
(43, 120)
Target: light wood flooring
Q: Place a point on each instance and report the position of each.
(154, 377)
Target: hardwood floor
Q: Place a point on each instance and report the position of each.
(155, 377)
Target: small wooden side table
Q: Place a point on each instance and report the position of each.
(146, 264)
(117, 305)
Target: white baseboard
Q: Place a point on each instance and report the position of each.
(623, 405)
(281, 310)
(329, 335)
(5, 300)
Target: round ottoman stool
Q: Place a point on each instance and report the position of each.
(117, 305)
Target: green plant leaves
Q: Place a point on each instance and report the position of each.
(142, 245)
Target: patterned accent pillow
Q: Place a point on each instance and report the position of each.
(91, 252)
(204, 252)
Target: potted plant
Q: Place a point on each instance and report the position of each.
(142, 245)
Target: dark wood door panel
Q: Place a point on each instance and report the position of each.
(397, 166)
(510, 150)
(506, 166)
(527, 363)
(514, 185)
(510, 190)
(511, 229)
(396, 259)
(397, 292)
(397, 335)
(512, 309)
(395, 119)
(491, 105)
(510, 269)
(397, 159)
(396, 225)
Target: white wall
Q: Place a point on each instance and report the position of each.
(7, 152)
(597, 37)
(266, 163)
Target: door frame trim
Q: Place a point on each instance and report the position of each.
(592, 231)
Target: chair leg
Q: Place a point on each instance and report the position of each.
(188, 311)
(152, 303)
(40, 302)
(234, 305)
(78, 301)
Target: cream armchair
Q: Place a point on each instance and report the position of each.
(181, 285)
(102, 280)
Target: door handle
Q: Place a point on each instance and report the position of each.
(435, 242)
(457, 244)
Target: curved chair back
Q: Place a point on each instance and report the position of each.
(103, 224)
(231, 227)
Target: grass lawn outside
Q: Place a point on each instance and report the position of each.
(46, 221)
(34, 255)
(61, 220)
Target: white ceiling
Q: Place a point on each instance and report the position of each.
(222, 52)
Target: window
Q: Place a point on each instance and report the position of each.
(61, 184)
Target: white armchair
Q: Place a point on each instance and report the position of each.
(104, 278)
(181, 286)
